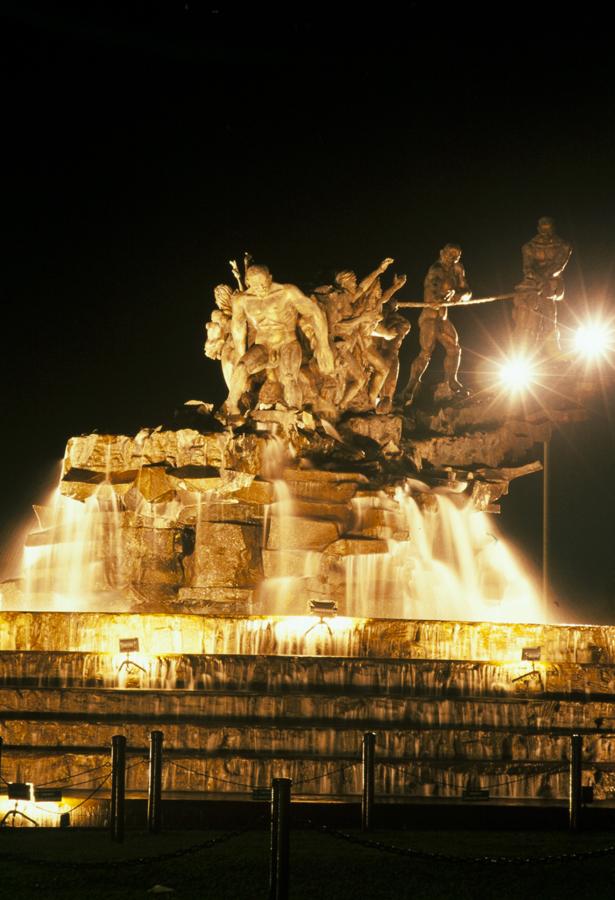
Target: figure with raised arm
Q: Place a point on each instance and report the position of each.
(445, 282)
(352, 319)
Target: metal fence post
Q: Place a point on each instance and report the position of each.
(154, 792)
(576, 771)
(367, 800)
(280, 838)
(118, 786)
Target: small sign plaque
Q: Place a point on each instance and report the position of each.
(129, 645)
(320, 607)
(479, 794)
(532, 654)
(47, 795)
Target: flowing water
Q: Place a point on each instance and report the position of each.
(75, 560)
(454, 565)
(430, 559)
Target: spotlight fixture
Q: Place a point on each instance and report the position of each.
(593, 339)
(516, 373)
(19, 790)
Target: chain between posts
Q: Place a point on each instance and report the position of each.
(99, 786)
(330, 772)
(134, 861)
(411, 853)
(249, 787)
(451, 785)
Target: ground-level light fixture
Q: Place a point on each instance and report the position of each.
(19, 790)
(128, 646)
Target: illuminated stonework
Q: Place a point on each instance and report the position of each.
(453, 704)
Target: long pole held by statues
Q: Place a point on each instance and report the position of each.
(416, 304)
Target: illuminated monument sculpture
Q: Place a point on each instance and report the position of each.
(306, 566)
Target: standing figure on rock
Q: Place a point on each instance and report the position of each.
(219, 343)
(536, 297)
(445, 282)
(397, 325)
(274, 312)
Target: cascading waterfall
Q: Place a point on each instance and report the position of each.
(417, 554)
(454, 566)
(75, 560)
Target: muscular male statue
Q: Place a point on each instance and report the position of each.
(535, 314)
(445, 282)
(274, 312)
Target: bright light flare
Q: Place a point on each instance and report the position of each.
(593, 340)
(516, 373)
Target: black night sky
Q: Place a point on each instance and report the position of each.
(146, 144)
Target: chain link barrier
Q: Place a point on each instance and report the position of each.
(67, 778)
(206, 775)
(526, 776)
(99, 787)
(255, 787)
(487, 859)
(303, 781)
(132, 861)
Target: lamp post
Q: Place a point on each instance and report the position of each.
(517, 374)
(592, 341)
(545, 527)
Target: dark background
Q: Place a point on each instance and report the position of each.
(146, 144)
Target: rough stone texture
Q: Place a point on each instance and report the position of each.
(336, 512)
(301, 533)
(208, 479)
(226, 554)
(381, 429)
(154, 485)
(110, 452)
(322, 476)
(485, 494)
(459, 418)
(150, 555)
(285, 563)
(80, 484)
(258, 491)
(215, 600)
(376, 516)
(507, 444)
(323, 491)
(357, 546)
(249, 698)
(231, 510)
(199, 506)
(247, 453)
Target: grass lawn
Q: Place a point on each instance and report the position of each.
(321, 866)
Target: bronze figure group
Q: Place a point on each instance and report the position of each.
(337, 350)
